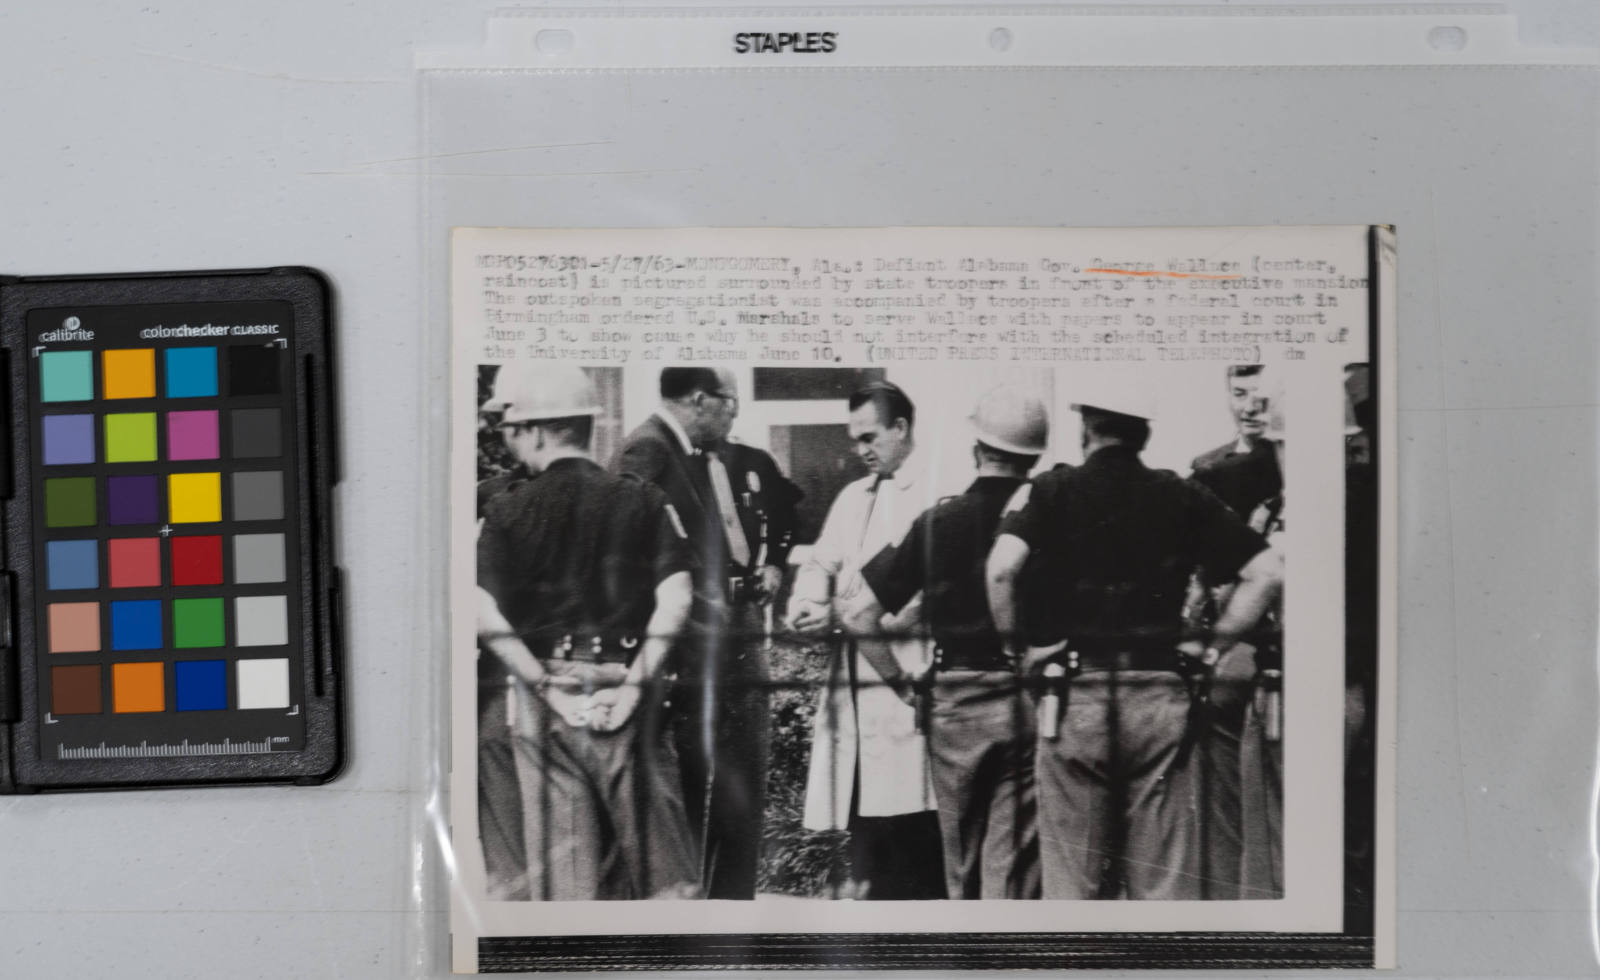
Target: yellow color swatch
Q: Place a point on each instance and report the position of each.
(137, 687)
(129, 373)
(195, 498)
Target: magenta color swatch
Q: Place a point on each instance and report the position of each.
(192, 435)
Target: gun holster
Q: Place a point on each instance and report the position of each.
(1269, 683)
(922, 699)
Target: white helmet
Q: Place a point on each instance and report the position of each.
(534, 392)
(1011, 421)
(1119, 393)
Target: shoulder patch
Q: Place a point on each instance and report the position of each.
(1019, 499)
(677, 522)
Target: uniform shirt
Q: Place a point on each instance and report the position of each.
(761, 495)
(943, 557)
(578, 551)
(1113, 544)
(494, 486)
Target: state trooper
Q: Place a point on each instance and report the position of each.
(1260, 756)
(583, 585)
(1108, 548)
(978, 720)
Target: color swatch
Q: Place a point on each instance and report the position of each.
(174, 613)
(167, 567)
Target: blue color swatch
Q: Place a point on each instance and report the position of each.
(136, 624)
(68, 439)
(192, 372)
(72, 564)
(202, 685)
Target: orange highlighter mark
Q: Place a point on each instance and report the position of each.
(1147, 273)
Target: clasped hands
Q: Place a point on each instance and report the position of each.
(582, 705)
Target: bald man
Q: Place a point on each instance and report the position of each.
(738, 510)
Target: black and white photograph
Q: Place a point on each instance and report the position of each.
(989, 600)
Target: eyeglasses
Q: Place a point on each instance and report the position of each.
(732, 400)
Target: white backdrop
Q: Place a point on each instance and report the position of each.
(182, 134)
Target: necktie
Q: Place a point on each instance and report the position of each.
(738, 547)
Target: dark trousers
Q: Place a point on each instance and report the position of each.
(1241, 792)
(1118, 809)
(723, 732)
(602, 813)
(981, 748)
(499, 795)
(1261, 808)
(897, 858)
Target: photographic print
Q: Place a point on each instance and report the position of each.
(920, 598)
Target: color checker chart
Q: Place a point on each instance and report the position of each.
(173, 589)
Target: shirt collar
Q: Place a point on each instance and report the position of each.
(1113, 454)
(908, 474)
(999, 484)
(1243, 446)
(677, 431)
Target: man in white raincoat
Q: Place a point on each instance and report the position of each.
(869, 764)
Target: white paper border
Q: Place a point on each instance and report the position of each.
(1313, 815)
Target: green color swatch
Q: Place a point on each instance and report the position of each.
(197, 623)
(66, 376)
(130, 437)
(69, 502)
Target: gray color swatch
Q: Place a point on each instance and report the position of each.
(256, 432)
(258, 558)
(262, 620)
(258, 496)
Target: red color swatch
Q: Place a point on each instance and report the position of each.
(135, 562)
(197, 560)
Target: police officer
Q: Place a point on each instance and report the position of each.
(499, 826)
(583, 585)
(1260, 757)
(979, 723)
(1112, 544)
(739, 511)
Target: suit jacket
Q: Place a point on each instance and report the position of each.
(1243, 480)
(652, 454)
(764, 500)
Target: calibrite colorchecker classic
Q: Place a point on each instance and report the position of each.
(171, 604)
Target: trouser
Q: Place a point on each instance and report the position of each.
(980, 745)
(723, 734)
(897, 858)
(602, 813)
(1261, 807)
(1222, 786)
(499, 796)
(1118, 809)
